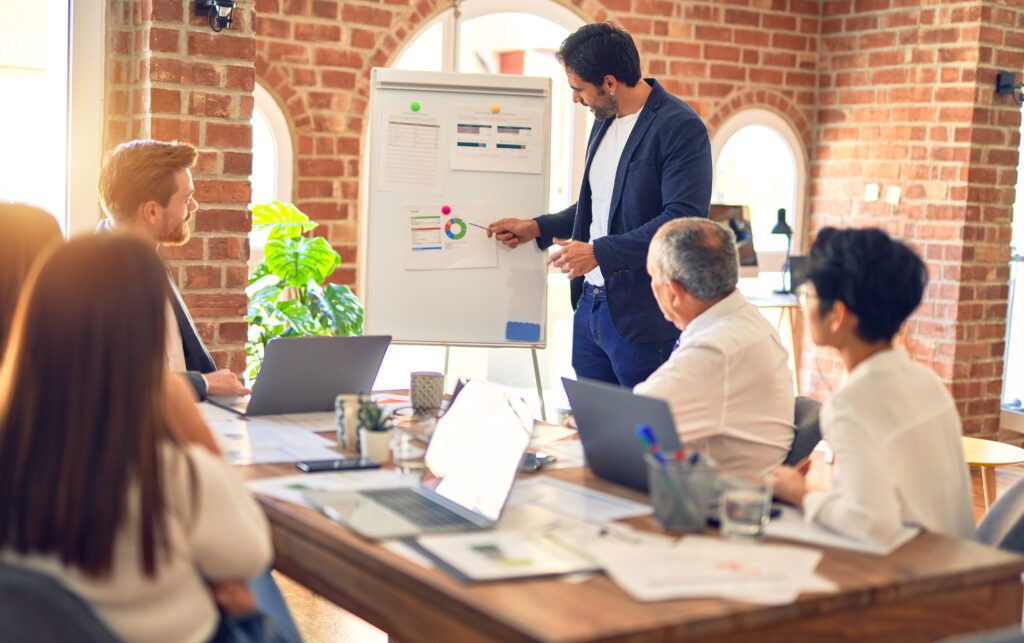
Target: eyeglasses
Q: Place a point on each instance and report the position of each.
(803, 293)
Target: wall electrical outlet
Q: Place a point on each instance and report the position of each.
(870, 192)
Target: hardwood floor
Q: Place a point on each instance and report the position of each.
(320, 621)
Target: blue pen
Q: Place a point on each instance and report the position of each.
(645, 433)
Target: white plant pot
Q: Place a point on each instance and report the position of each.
(375, 445)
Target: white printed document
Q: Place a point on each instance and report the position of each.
(510, 140)
(574, 501)
(704, 567)
(791, 525)
(411, 153)
(442, 237)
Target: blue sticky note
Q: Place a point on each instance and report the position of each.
(522, 332)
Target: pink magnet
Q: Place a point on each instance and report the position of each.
(445, 209)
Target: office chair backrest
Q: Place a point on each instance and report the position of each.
(806, 433)
(1003, 525)
(35, 607)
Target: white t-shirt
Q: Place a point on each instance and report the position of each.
(895, 433)
(602, 181)
(223, 536)
(729, 387)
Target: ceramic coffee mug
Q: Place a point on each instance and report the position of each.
(426, 389)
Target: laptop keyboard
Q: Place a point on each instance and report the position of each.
(416, 509)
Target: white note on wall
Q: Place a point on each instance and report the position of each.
(508, 141)
(411, 154)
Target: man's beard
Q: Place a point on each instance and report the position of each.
(177, 236)
(607, 109)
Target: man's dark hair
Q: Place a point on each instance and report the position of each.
(880, 280)
(595, 51)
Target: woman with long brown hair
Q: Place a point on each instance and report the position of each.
(27, 232)
(109, 479)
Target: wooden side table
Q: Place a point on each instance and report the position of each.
(988, 455)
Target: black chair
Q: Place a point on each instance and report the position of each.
(35, 607)
(806, 433)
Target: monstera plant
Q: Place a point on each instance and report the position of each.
(288, 296)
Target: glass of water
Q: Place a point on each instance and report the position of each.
(745, 506)
(410, 437)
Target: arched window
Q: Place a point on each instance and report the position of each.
(1013, 365)
(271, 150)
(271, 176)
(760, 163)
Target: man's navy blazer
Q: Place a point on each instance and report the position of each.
(197, 358)
(664, 173)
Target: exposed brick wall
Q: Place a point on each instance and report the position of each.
(890, 91)
(171, 78)
(316, 57)
(906, 99)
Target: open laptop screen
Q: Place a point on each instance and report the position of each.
(474, 454)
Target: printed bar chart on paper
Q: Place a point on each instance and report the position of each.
(448, 236)
(504, 141)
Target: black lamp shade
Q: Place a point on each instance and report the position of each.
(781, 227)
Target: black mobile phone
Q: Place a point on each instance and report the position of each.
(340, 464)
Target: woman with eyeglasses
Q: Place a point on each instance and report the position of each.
(892, 425)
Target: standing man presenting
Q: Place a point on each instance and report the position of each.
(146, 189)
(648, 161)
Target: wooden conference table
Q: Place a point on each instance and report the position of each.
(931, 587)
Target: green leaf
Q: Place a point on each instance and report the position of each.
(263, 300)
(283, 220)
(344, 306)
(300, 260)
(257, 285)
(300, 319)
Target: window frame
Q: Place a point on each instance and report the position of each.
(771, 261)
(86, 88)
(281, 133)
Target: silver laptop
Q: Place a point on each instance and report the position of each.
(607, 417)
(305, 374)
(469, 467)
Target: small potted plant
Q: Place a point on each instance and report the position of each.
(374, 431)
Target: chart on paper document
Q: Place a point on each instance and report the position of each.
(508, 141)
(448, 236)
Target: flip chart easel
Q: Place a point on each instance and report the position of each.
(449, 153)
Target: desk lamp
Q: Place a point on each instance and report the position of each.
(781, 227)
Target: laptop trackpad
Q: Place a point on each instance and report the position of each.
(362, 515)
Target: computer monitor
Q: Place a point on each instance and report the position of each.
(737, 219)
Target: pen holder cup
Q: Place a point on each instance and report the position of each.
(682, 493)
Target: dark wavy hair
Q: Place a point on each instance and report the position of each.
(879, 279)
(81, 405)
(595, 51)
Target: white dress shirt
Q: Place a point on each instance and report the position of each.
(729, 386)
(895, 433)
(602, 181)
(222, 536)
